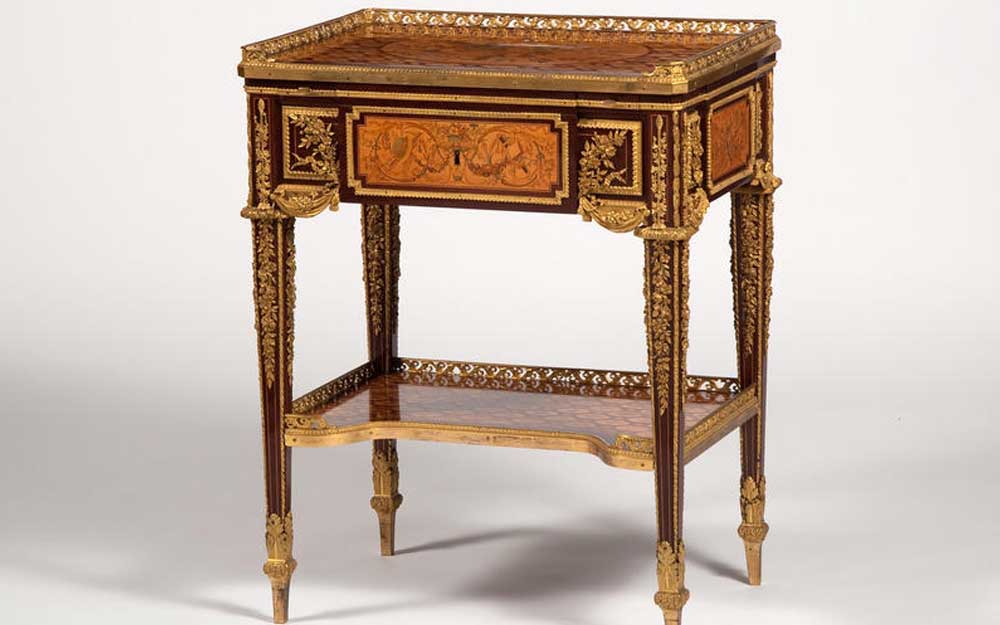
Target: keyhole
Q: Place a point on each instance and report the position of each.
(457, 157)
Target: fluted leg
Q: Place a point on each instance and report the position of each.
(666, 321)
(274, 291)
(380, 247)
(752, 234)
(752, 231)
(752, 265)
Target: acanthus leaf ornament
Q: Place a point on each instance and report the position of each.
(386, 500)
(385, 478)
(385, 471)
(752, 500)
(280, 564)
(753, 529)
(672, 594)
(764, 180)
(278, 536)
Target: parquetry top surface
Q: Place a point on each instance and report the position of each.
(615, 54)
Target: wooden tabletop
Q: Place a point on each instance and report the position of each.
(493, 51)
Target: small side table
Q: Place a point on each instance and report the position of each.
(633, 123)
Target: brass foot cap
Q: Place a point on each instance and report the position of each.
(279, 599)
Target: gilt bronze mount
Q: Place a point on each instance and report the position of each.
(635, 124)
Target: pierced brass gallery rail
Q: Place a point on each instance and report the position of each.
(305, 428)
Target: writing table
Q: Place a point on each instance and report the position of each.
(635, 124)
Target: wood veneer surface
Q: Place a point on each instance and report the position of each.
(626, 53)
(599, 412)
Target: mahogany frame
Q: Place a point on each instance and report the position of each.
(297, 146)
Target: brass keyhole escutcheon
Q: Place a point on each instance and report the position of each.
(457, 157)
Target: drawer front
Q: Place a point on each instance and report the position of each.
(458, 155)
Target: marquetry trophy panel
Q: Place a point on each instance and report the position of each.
(452, 154)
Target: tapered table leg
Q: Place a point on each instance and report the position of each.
(386, 500)
(274, 296)
(678, 207)
(666, 320)
(752, 265)
(380, 247)
(273, 234)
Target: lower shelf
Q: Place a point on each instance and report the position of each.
(606, 413)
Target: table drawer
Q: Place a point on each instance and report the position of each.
(490, 156)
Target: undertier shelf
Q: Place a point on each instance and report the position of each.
(605, 413)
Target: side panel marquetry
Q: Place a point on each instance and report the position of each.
(458, 155)
(733, 137)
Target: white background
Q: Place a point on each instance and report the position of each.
(131, 472)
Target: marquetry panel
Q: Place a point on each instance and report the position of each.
(309, 143)
(731, 137)
(458, 155)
